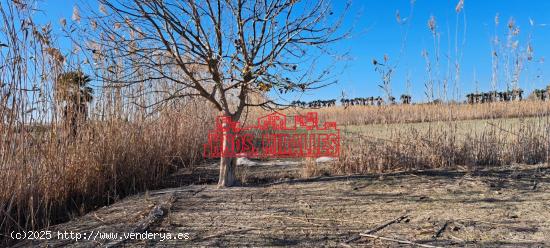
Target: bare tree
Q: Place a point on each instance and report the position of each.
(225, 51)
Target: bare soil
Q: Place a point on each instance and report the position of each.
(486, 207)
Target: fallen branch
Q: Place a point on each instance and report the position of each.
(397, 220)
(376, 229)
(440, 231)
(397, 240)
(199, 190)
(154, 216)
(97, 217)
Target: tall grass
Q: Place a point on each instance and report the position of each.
(445, 147)
(379, 139)
(515, 132)
(48, 173)
(496, 134)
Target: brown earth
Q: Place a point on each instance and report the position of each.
(506, 206)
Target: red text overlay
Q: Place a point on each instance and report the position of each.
(274, 137)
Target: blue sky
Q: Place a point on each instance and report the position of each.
(375, 32)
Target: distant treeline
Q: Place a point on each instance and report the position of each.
(506, 96)
(495, 96)
(472, 98)
(358, 101)
(542, 94)
(315, 104)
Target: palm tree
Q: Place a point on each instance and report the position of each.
(539, 94)
(406, 99)
(470, 98)
(73, 92)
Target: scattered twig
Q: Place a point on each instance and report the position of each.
(441, 230)
(397, 220)
(154, 216)
(199, 190)
(97, 217)
(397, 240)
(376, 229)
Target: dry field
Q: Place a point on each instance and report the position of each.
(505, 206)
(415, 113)
(463, 128)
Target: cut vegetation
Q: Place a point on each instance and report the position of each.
(505, 206)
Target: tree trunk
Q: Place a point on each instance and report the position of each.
(227, 172)
(227, 161)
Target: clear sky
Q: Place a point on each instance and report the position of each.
(375, 32)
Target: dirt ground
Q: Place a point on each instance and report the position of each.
(487, 207)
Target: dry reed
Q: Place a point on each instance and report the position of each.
(50, 171)
(442, 143)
